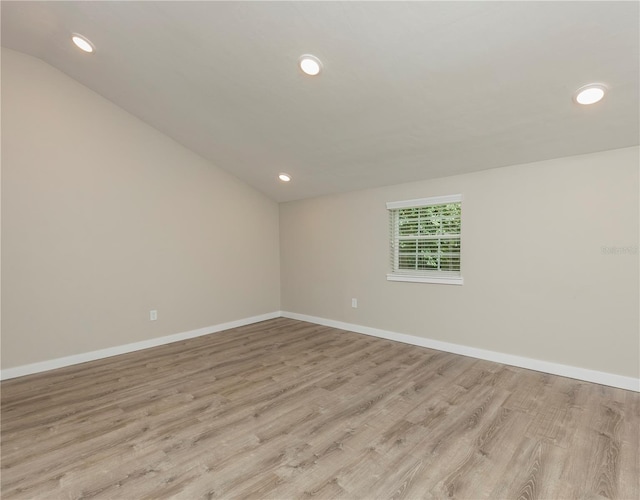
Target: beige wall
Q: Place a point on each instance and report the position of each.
(105, 218)
(537, 282)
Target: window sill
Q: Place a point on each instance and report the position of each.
(444, 280)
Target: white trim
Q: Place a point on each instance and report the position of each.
(415, 278)
(604, 378)
(424, 202)
(75, 359)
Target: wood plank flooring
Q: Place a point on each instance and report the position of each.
(285, 409)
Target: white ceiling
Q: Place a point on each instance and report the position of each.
(409, 90)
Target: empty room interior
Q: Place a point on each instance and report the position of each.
(287, 250)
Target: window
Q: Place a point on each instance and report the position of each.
(425, 240)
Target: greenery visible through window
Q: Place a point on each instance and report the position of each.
(425, 239)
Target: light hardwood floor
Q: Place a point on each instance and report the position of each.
(285, 409)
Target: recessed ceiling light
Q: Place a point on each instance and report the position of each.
(284, 177)
(310, 65)
(590, 94)
(82, 43)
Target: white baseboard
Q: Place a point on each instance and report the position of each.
(604, 378)
(52, 364)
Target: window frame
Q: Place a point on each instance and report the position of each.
(417, 276)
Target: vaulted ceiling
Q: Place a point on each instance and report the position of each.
(408, 90)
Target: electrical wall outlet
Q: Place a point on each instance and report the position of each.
(153, 315)
(354, 303)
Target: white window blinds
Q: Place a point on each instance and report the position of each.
(425, 239)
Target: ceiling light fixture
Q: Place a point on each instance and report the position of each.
(310, 65)
(284, 177)
(590, 94)
(82, 43)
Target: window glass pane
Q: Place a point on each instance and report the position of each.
(408, 225)
(451, 226)
(450, 245)
(428, 245)
(450, 210)
(428, 262)
(430, 225)
(407, 261)
(406, 246)
(423, 238)
(449, 262)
